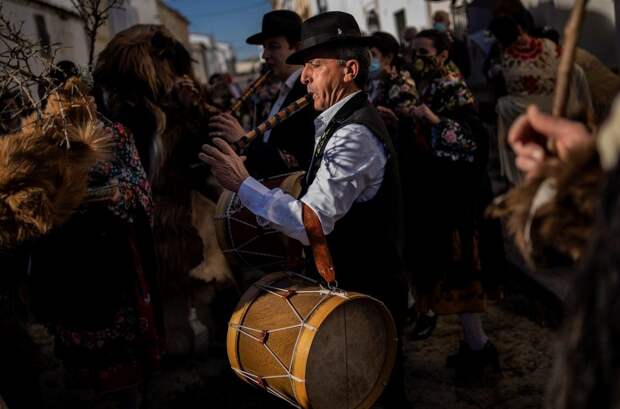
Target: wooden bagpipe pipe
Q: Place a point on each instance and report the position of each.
(236, 106)
(272, 121)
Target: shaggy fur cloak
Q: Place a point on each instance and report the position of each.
(44, 166)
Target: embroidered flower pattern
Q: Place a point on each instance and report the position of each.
(530, 66)
(396, 91)
(444, 96)
(124, 171)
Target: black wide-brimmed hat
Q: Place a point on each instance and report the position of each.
(278, 23)
(328, 30)
(385, 42)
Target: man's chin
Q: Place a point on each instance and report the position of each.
(317, 105)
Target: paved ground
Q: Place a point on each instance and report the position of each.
(521, 327)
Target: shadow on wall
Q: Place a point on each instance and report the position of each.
(598, 33)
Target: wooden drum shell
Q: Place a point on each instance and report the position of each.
(341, 358)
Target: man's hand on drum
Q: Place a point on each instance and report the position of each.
(226, 165)
(225, 126)
(530, 132)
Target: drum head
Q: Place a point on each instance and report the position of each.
(351, 356)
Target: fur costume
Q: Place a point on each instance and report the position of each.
(562, 227)
(44, 166)
(137, 77)
(586, 369)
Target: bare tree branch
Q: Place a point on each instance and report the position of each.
(94, 14)
(25, 66)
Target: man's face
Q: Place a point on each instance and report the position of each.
(324, 79)
(424, 47)
(275, 52)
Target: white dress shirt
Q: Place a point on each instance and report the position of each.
(351, 171)
(285, 89)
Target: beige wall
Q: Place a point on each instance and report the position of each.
(175, 22)
(62, 26)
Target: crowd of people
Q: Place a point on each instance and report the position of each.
(103, 248)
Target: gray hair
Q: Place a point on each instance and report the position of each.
(362, 56)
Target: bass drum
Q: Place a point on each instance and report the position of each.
(245, 243)
(311, 346)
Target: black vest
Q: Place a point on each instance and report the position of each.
(366, 244)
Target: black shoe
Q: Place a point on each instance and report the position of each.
(424, 327)
(472, 364)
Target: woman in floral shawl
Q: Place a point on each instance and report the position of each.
(453, 274)
(93, 282)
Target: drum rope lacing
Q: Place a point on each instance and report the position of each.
(261, 336)
(235, 206)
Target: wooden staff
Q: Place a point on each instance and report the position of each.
(572, 32)
(251, 90)
(272, 121)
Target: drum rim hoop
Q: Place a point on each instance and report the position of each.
(306, 339)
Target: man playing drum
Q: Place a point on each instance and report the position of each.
(288, 146)
(352, 182)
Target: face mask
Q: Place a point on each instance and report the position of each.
(375, 68)
(440, 27)
(424, 66)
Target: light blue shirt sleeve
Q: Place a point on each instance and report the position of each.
(351, 171)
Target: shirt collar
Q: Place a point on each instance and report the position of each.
(326, 116)
(291, 80)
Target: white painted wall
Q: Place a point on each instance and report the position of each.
(63, 28)
(146, 11)
(416, 12)
(217, 57)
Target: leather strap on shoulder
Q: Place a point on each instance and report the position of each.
(322, 256)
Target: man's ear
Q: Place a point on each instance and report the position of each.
(351, 69)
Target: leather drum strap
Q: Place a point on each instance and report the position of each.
(322, 256)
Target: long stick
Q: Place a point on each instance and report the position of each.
(572, 32)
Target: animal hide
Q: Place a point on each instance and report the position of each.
(44, 166)
(142, 74)
(214, 267)
(560, 227)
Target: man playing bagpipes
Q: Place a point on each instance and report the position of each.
(289, 145)
(352, 183)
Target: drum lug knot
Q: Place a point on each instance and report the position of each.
(260, 382)
(264, 336)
